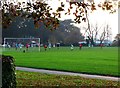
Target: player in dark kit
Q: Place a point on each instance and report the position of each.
(45, 47)
(80, 46)
(27, 46)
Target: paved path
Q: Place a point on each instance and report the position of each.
(68, 73)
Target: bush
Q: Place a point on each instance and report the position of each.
(8, 72)
(116, 43)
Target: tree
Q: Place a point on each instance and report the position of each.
(116, 42)
(105, 34)
(39, 11)
(118, 39)
(97, 33)
(71, 34)
(81, 13)
(19, 29)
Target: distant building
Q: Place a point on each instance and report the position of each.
(84, 43)
(105, 42)
(97, 42)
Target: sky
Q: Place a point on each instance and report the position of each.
(99, 17)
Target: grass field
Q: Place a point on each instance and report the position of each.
(39, 80)
(88, 60)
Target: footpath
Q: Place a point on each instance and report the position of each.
(68, 73)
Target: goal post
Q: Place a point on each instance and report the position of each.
(6, 40)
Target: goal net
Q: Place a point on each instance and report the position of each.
(33, 44)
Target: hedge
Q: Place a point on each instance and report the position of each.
(8, 72)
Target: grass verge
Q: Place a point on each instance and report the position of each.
(40, 80)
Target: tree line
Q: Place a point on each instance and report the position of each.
(65, 33)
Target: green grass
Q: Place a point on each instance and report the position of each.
(39, 80)
(88, 60)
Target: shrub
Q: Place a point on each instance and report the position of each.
(116, 43)
(8, 72)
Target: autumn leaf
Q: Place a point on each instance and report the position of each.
(93, 7)
(71, 7)
(60, 9)
(69, 10)
(39, 10)
(99, 5)
(62, 5)
(37, 25)
(59, 15)
(84, 19)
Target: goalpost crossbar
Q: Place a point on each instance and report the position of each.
(23, 38)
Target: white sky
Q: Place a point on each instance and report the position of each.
(99, 16)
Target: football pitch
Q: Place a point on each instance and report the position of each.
(88, 60)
